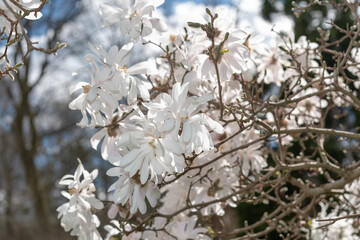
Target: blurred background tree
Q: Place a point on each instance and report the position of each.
(39, 136)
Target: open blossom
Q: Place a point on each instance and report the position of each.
(270, 65)
(221, 181)
(136, 17)
(95, 100)
(176, 194)
(179, 115)
(308, 111)
(76, 214)
(304, 52)
(120, 78)
(115, 229)
(187, 229)
(110, 134)
(343, 229)
(146, 152)
(230, 56)
(110, 82)
(225, 22)
(252, 157)
(354, 66)
(130, 190)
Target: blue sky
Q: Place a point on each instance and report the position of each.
(168, 4)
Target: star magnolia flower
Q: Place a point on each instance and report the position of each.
(178, 115)
(248, 159)
(230, 57)
(116, 229)
(110, 83)
(120, 77)
(95, 100)
(225, 22)
(270, 66)
(308, 111)
(344, 229)
(110, 134)
(221, 181)
(175, 195)
(187, 229)
(76, 214)
(146, 151)
(354, 66)
(135, 17)
(252, 157)
(130, 190)
(82, 224)
(304, 52)
(81, 191)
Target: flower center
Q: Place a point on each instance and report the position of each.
(151, 143)
(172, 38)
(123, 68)
(86, 88)
(308, 106)
(72, 191)
(248, 45)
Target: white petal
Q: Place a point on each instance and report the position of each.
(173, 146)
(129, 157)
(144, 171)
(96, 138)
(186, 132)
(147, 67)
(95, 203)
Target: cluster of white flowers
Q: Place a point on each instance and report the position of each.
(342, 229)
(76, 215)
(136, 17)
(161, 124)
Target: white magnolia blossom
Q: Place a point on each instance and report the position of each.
(337, 97)
(129, 190)
(10, 9)
(179, 115)
(209, 191)
(270, 65)
(187, 229)
(354, 67)
(110, 82)
(304, 52)
(342, 229)
(230, 56)
(135, 17)
(252, 157)
(147, 152)
(308, 111)
(76, 214)
(110, 134)
(175, 197)
(115, 230)
(225, 22)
